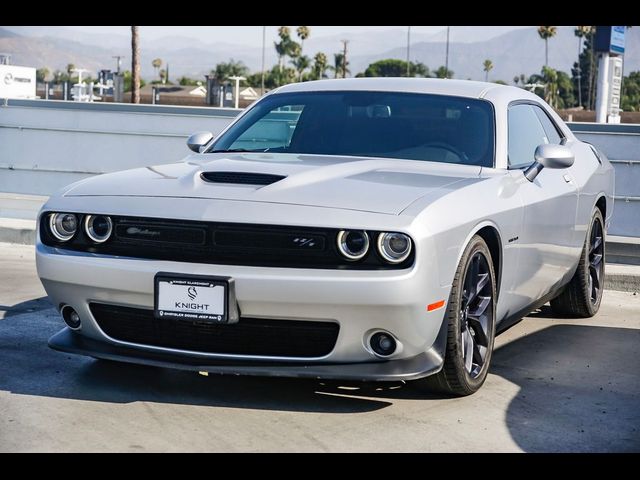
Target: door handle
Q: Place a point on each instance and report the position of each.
(567, 178)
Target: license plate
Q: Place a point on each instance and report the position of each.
(198, 298)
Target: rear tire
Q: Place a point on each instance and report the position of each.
(470, 315)
(583, 294)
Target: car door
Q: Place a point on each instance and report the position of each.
(547, 240)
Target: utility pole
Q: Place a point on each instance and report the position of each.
(408, 51)
(264, 37)
(446, 60)
(344, 58)
(119, 62)
(135, 65)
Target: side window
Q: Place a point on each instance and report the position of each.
(524, 135)
(551, 130)
(272, 131)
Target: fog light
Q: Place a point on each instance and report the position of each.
(70, 317)
(353, 244)
(383, 344)
(63, 226)
(98, 228)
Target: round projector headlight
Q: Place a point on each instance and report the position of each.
(394, 247)
(63, 226)
(353, 244)
(98, 228)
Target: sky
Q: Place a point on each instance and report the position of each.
(244, 35)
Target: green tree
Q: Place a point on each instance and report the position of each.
(70, 68)
(630, 101)
(228, 69)
(487, 66)
(580, 31)
(585, 71)
(301, 63)
(188, 82)
(319, 66)
(128, 81)
(516, 79)
(60, 77)
(303, 33)
(545, 33)
(392, 67)
(157, 65)
(557, 88)
(443, 72)
(340, 66)
(286, 47)
(42, 74)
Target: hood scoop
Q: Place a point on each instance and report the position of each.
(241, 178)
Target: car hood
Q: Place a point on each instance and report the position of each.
(353, 183)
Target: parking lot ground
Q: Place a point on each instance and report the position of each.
(555, 385)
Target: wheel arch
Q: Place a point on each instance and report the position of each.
(490, 233)
(601, 203)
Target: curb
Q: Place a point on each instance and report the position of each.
(624, 278)
(21, 232)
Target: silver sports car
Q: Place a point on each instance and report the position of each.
(362, 229)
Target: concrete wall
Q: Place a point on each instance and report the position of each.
(45, 145)
(621, 143)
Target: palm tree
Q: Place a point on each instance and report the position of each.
(135, 65)
(70, 68)
(303, 33)
(319, 65)
(487, 66)
(546, 33)
(157, 64)
(580, 32)
(301, 63)
(340, 65)
(516, 79)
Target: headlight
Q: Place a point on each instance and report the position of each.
(394, 247)
(353, 244)
(63, 226)
(98, 228)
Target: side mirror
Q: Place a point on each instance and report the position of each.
(198, 140)
(549, 156)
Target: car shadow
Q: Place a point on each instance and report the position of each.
(30, 306)
(579, 388)
(578, 385)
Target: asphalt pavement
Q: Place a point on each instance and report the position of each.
(556, 385)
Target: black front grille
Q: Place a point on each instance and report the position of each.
(250, 336)
(223, 244)
(241, 178)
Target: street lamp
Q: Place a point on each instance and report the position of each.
(237, 89)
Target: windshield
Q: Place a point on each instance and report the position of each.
(410, 126)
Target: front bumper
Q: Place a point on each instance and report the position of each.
(413, 368)
(359, 301)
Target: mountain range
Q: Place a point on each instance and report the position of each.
(512, 52)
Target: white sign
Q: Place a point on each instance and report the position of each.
(17, 82)
(195, 300)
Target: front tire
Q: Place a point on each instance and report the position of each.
(471, 314)
(583, 294)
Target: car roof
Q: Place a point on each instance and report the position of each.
(462, 88)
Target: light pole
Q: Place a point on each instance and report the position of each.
(237, 89)
(264, 37)
(408, 51)
(446, 60)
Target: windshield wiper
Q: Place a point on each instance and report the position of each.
(233, 150)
